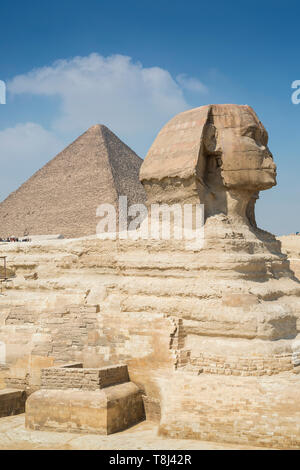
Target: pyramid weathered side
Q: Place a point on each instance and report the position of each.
(125, 170)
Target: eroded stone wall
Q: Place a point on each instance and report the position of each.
(83, 379)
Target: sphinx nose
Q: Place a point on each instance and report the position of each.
(269, 162)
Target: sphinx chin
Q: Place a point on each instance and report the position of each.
(249, 179)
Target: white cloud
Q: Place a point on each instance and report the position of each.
(24, 141)
(130, 99)
(24, 149)
(191, 83)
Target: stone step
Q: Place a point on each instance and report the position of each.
(12, 402)
(77, 399)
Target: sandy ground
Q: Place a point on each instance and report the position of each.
(14, 436)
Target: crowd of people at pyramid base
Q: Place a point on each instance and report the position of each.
(13, 239)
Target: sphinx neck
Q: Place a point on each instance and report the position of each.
(241, 204)
(237, 204)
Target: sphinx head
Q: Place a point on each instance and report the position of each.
(216, 155)
(236, 147)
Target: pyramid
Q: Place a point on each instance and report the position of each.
(62, 197)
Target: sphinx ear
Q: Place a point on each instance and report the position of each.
(207, 144)
(210, 139)
(210, 155)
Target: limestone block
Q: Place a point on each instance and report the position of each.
(105, 411)
(84, 379)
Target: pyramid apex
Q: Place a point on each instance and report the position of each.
(96, 127)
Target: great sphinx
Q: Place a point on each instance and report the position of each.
(210, 335)
(243, 320)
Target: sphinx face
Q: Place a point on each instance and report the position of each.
(241, 142)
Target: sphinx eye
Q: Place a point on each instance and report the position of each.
(251, 132)
(264, 138)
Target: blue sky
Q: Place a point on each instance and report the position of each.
(132, 65)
